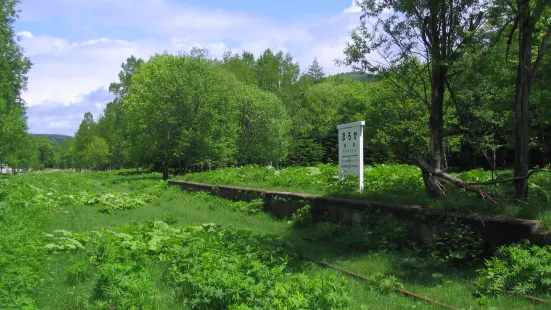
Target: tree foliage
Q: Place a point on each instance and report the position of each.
(14, 67)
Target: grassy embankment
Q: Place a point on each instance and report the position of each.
(393, 184)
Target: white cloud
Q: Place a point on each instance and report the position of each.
(25, 34)
(54, 117)
(64, 72)
(353, 8)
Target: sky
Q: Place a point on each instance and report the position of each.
(78, 46)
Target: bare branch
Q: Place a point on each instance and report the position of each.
(543, 46)
(511, 33)
(510, 179)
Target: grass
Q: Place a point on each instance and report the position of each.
(185, 209)
(401, 184)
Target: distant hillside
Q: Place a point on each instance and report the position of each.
(53, 137)
(358, 76)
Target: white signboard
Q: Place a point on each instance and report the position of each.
(351, 150)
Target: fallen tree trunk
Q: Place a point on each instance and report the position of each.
(436, 174)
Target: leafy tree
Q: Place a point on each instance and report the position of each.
(111, 125)
(242, 66)
(481, 96)
(180, 110)
(110, 128)
(276, 72)
(13, 80)
(437, 32)
(97, 153)
(526, 14)
(263, 125)
(83, 137)
(66, 157)
(47, 152)
(128, 69)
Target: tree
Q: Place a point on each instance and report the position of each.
(14, 67)
(242, 66)
(316, 71)
(263, 125)
(437, 32)
(527, 14)
(66, 157)
(128, 69)
(96, 154)
(83, 137)
(112, 126)
(179, 109)
(276, 72)
(47, 154)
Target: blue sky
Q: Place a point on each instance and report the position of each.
(77, 46)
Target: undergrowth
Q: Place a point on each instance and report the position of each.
(152, 265)
(208, 266)
(522, 268)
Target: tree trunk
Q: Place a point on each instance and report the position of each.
(165, 173)
(522, 103)
(433, 187)
(165, 169)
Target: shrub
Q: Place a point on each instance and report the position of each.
(456, 245)
(302, 217)
(521, 268)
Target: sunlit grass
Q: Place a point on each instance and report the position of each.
(183, 209)
(401, 184)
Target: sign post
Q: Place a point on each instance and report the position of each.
(351, 151)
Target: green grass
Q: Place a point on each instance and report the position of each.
(182, 209)
(392, 184)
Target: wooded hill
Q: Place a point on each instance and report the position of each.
(53, 137)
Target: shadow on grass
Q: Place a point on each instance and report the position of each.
(410, 265)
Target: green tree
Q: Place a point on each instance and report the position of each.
(47, 152)
(66, 157)
(96, 154)
(242, 66)
(263, 125)
(527, 16)
(14, 67)
(276, 72)
(83, 137)
(316, 71)
(112, 126)
(180, 110)
(128, 69)
(437, 32)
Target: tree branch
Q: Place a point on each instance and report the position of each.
(510, 179)
(463, 185)
(474, 23)
(511, 34)
(541, 52)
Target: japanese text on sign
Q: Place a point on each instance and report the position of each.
(351, 150)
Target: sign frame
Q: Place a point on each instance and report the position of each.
(350, 155)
